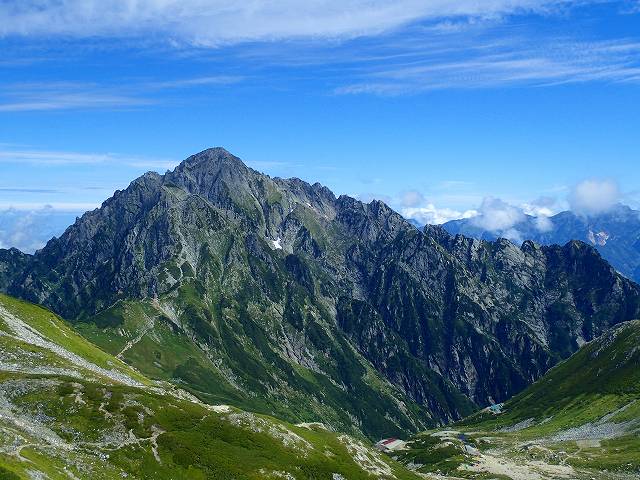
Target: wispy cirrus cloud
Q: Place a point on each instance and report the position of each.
(44, 157)
(69, 95)
(57, 158)
(499, 63)
(215, 22)
(67, 101)
(28, 190)
(20, 154)
(355, 46)
(195, 82)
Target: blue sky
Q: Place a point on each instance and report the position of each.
(433, 106)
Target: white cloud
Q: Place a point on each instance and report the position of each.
(543, 223)
(511, 220)
(500, 217)
(411, 198)
(545, 206)
(512, 234)
(541, 208)
(497, 215)
(212, 22)
(592, 197)
(493, 214)
(432, 215)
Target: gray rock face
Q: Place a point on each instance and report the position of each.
(288, 275)
(12, 261)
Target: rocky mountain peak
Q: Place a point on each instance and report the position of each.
(201, 172)
(215, 156)
(262, 277)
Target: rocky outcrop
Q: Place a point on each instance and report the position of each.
(12, 263)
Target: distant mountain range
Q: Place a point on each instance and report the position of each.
(275, 296)
(614, 233)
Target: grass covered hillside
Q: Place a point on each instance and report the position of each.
(70, 411)
(581, 420)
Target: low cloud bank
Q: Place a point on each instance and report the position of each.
(588, 198)
(592, 197)
(432, 215)
(30, 230)
(497, 215)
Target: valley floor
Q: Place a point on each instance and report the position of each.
(463, 454)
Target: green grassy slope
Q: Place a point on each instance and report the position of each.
(70, 410)
(581, 420)
(601, 378)
(45, 327)
(240, 360)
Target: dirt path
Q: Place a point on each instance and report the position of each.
(147, 327)
(498, 463)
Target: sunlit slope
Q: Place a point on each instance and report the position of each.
(601, 380)
(581, 420)
(70, 410)
(35, 341)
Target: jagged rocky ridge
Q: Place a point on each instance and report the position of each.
(615, 233)
(275, 295)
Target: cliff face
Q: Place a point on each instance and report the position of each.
(309, 306)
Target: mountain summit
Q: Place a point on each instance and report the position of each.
(274, 295)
